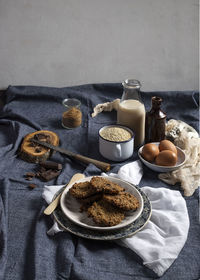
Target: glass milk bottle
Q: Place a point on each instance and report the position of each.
(131, 110)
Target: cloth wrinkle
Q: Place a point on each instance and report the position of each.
(28, 252)
(161, 232)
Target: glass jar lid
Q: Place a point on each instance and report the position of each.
(71, 102)
(131, 83)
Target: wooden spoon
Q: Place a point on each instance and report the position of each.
(52, 206)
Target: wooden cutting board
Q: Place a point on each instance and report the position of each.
(32, 152)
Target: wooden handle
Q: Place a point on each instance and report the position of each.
(52, 206)
(100, 164)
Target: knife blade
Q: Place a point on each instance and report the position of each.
(104, 166)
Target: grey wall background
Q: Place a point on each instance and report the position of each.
(71, 42)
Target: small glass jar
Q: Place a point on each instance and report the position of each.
(72, 116)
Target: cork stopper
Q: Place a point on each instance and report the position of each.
(72, 118)
(156, 101)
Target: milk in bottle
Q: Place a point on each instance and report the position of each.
(131, 110)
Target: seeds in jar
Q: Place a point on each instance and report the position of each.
(115, 134)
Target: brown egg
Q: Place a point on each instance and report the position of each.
(167, 145)
(166, 158)
(150, 152)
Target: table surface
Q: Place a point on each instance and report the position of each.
(27, 252)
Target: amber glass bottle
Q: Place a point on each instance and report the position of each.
(155, 122)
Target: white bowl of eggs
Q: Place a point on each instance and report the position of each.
(161, 156)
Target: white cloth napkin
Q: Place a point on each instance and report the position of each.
(161, 240)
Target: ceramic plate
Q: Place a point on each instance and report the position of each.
(69, 226)
(158, 168)
(71, 207)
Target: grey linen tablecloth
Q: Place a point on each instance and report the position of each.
(26, 252)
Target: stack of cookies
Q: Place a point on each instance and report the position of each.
(106, 202)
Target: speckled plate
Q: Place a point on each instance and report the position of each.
(71, 207)
(129, 230)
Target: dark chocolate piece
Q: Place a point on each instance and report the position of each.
(51, 165)
(42, 169)
(29, 178)
(38, 150)
(40, 136)
(49, 174)
(37, 174)
(30, 174)
(32, 186)
(32, 144)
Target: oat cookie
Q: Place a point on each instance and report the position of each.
(105, 214)
(82, 190)
(102, 184)
(90, 199)
(87, 202)
(124, 200)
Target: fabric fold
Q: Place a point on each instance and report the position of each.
(163, 237)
